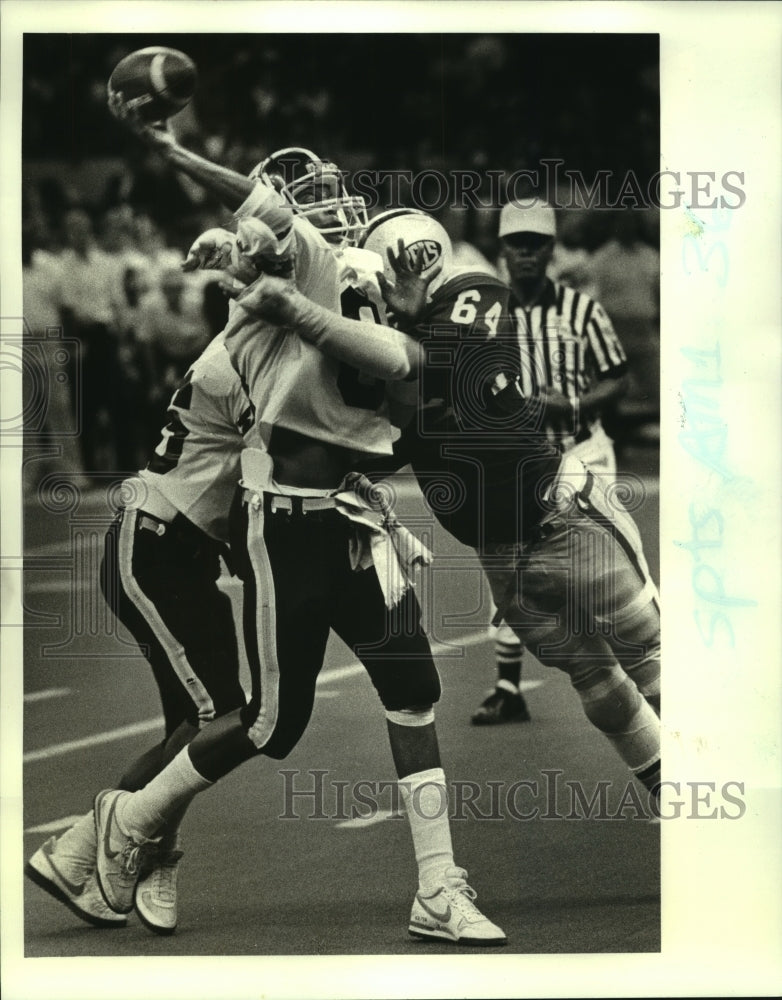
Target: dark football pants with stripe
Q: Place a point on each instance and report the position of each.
(581, 597)
(163, 589)
(299, 584)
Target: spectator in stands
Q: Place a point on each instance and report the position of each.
(571, 263)
(457, 222)
(116, 231)
(625, 273)
(173, 331)
(151, 242)
(49, 414)
(142, 432)
(89, 306)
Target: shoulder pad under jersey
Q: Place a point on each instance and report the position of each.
(359, 267)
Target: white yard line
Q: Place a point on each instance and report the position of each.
(351, 669)
(332, 676)
(362, 822)
(109, 736)
(328, 677)
(46, 694)
(56, 824)
(339, 674)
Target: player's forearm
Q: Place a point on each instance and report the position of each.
(229, 187)
(375, 350)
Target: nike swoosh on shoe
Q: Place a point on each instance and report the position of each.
(445, 915)
(74, 888)
(107, 832)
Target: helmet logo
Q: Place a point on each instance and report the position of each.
(430, 251)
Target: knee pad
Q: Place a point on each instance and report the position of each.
(417, 715)
(610, 699)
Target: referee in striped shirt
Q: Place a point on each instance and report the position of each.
(573, 361)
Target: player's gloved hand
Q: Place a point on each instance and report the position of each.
(211, 251)
(154, 134)
(267, 298)
(258, 243)
(221, 250)
(406, 298)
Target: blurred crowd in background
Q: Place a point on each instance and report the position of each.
(106, 224)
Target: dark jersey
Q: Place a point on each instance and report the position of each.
(476, 446)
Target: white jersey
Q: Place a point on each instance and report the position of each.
(358, 271)
(195, 468)
(291, 383)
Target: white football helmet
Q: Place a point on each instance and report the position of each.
(316, 190)
(419, 232)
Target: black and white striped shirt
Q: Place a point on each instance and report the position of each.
(567, 344)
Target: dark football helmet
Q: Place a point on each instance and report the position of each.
(316, 190)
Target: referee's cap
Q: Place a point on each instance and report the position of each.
(534, 217)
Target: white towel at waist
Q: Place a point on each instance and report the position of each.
(379, 539)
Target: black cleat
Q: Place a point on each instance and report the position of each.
(501, 706)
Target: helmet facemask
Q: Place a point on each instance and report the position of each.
(316, 190)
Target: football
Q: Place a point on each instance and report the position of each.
(156, 82)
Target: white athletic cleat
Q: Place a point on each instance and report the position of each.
(120, 857)
(156, 892)
(79, 893)
(448, 913)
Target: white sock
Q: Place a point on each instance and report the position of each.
(143, 814)
(425, 796)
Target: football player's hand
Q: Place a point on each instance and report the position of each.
(155, 134)
(211, 251)
(406, 298)
(257, 243)
(267, 298)
(220, 250)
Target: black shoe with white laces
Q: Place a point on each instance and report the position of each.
(501, 706)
